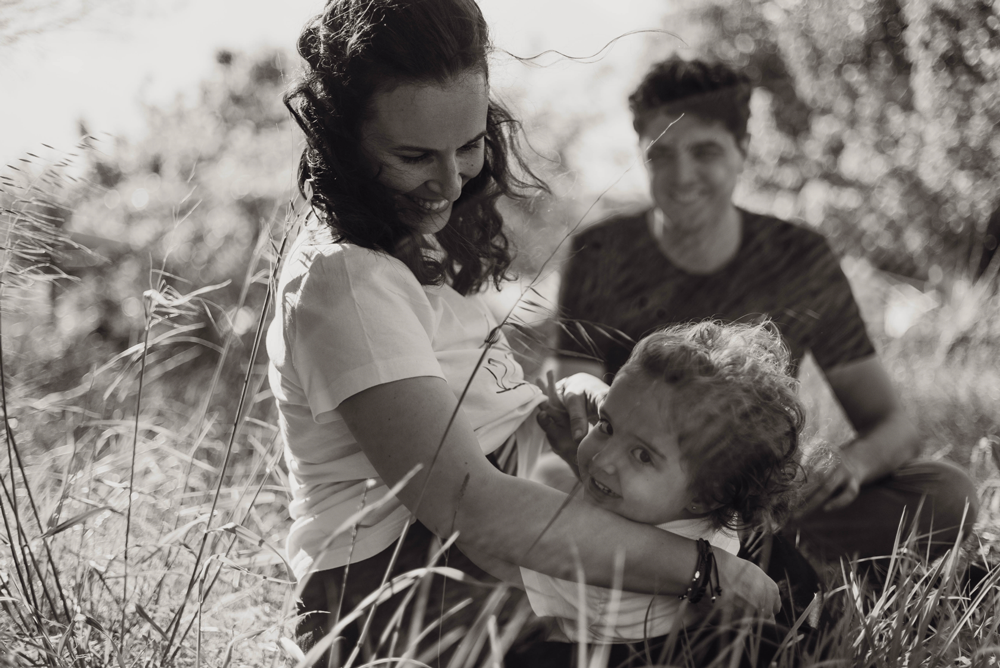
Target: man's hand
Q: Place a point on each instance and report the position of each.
(836, 485)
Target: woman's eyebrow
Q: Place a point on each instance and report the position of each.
(422, 149)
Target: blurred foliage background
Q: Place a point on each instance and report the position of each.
(876, 122)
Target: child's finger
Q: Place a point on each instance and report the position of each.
(550, 387)
(557, 433)
(576, 407)
(555, 418)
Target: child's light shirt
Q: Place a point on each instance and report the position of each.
(348, 319)
(616, 617)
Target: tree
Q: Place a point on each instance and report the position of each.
(184, 207)
(20, 19)
(878, 123)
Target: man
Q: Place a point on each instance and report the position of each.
(695, 255)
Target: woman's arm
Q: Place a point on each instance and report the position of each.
(501, 570)
(399, 426)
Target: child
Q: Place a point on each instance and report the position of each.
(698, 435)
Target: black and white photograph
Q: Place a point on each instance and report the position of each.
(500, 333)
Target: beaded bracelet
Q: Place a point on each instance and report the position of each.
(705, 572)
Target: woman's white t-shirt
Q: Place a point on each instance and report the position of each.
(347, 319)
(610, 616)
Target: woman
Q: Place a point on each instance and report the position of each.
(379, 326)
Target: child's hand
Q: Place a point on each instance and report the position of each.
(554, 420)
(578, 397)
(555, 424)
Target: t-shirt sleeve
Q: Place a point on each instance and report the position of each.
(359, 320)
(841, 335)
(552, 597)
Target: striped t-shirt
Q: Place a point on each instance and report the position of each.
(617, 286)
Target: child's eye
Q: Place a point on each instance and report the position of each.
(605, 427)
(642, 456)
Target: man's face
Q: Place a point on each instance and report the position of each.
(693, 166)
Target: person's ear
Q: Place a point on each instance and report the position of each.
(702, 506)
(744, 144)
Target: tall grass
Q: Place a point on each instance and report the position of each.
(143, 514)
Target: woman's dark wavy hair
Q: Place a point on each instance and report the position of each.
(356, 48)
(710, 90)
(736, 413)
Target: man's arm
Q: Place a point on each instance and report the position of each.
(886, 440)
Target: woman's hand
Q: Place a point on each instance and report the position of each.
(745, 585)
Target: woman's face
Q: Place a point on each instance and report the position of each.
(426, 141)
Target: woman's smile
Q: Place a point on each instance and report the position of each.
(430, 205)
(425, 142)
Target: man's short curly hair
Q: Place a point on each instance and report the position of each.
(712, 91)
(736, 413)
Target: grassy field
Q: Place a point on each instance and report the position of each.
(144, 500)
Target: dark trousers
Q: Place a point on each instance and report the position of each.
(867, 527)
(324, 589)
(716, 639)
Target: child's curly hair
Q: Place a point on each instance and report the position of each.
(736, 413)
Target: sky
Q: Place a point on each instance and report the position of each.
(100, 67)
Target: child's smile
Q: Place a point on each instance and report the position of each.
(630, 462)
(603, 489)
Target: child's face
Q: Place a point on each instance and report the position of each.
(630, 462)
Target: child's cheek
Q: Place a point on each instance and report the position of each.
(586, 450)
